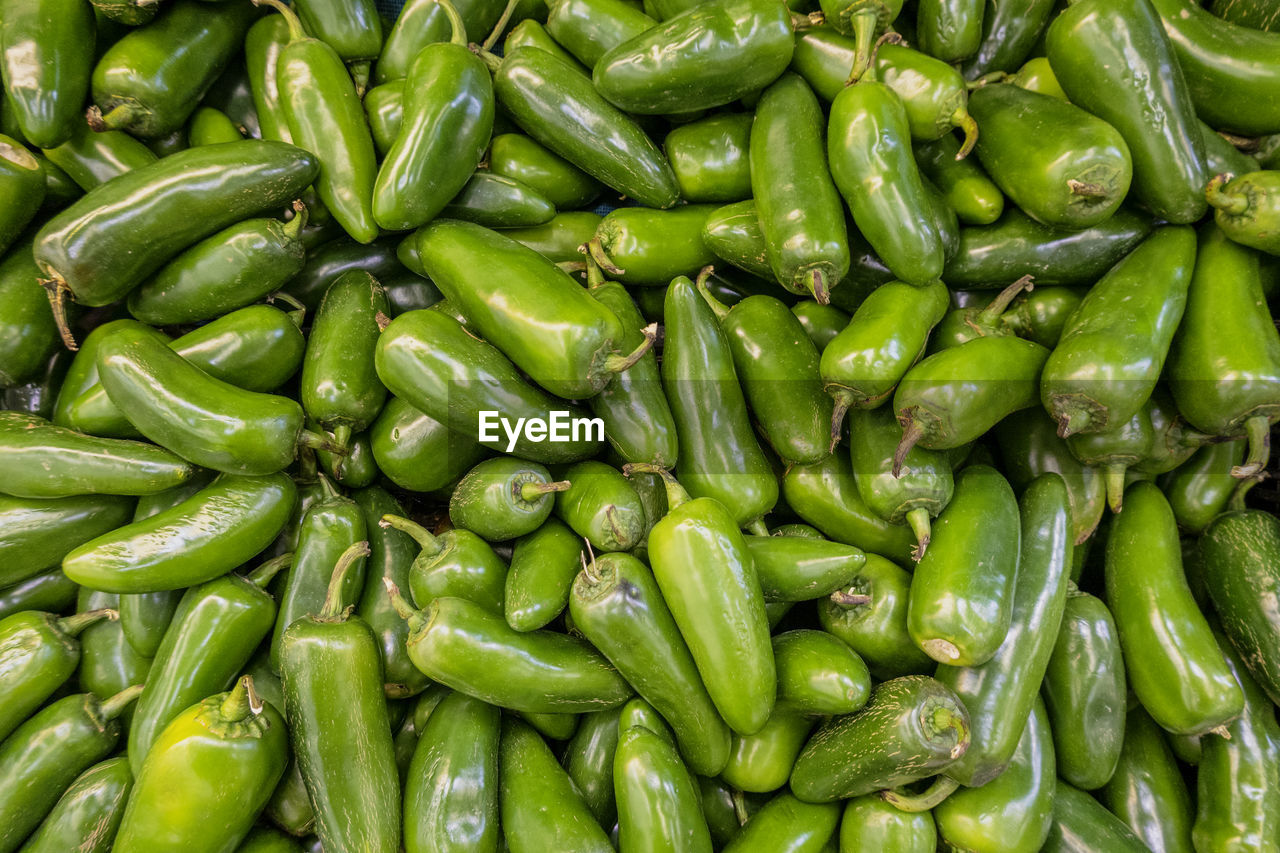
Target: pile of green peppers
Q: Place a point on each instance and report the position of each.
(639, 425)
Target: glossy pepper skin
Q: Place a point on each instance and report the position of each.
(211, 637)
(352, 28)
(1236, 780)
(50, 591)
(233, 268)
(704, 57)
(47, 461)
(662, 816)
(911, 728)
(567, 341)
(207, 535)
(560, 182)
(802, 568)
(950, 30)
(1030, 446)
(1115, 451)
(963, 588)
(332, 687)
(1224, 364)
(1173, 662)
(869, 154)
(869, 614)
(720, 457)
(41, 759)
(149, 82)
(340, 387)
(470, 649)
(417, 452)
(787, 823)
(1081, 823)
(39, 533)
(826, 495)
(1059, 164)
(205, 420)
(870, 825)
(588, 29)
(1115, 343)
(91, 158)
(451, 796)
(1247, 208)
(419, 23)
(88, 814)
(543, 566)
(1114, 60)
(556, 105)
(797, 201)
(1016, 245)
(702, 564)
(1013, 812)
(1010, 32)
(933, 93)
(1147, 791)
(638, 423)
(456, 563)
(47, 50)
(710, 158)
(325, 117)
(448, 119)
(230, 747)
(617, 605)
(640, 246)
(28, 333)
(502, 498)
(541, 807)
(109, 241)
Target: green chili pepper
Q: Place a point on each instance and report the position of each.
(965, 324)
(531, 33)
(457, 563)
(967, 189)
(617, 605)
(1010, 32)
(556, 105)
(211, 637)
(638, 246)
(87, 816)
(496, 201)
(1059, 164)
(324, 116)
(543, 566)
(41, 759)
(233, 268)
(657, 798)
(588, 760)
(234, 735)
(117, 234)
(869, 613)
(869, 152)
(825, 494)
(950, 30)
(90, 158)
(205, 536)
(1041, 314)
(1147, 791)
(262, 46)
(822, 323)
(420, 23)
(589, 29)
(541, 808)
(710, 158)
(51, 591)
(912, 727)
(720, 458)
(522, 159)
(602, 507)
(933, 93)
(871, 825)
(802, 568)
(502, 498)
(22, 188)
(1115, 451)
(209, 126)
(149, 82)
(1114, 345)
(1114, 60)
(470, 649)
(47, 461)
(1081, 823)
(47, 49)
(351, 27)
(417, 452)
(1173, 663)
(37, 534)
(819, 674)
(1247, 208)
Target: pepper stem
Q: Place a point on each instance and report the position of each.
(1000, 304)
(402, 607)
(1258, 429)
(496, 33)
(56, 288)
(430, 543)
(863, 23)
(611, 518)
(1114, 475)
(1236, 502)
(241, 701)
(589, 568)
(316, 441)
(120, 116)
(296, 31)
(717, 307)
(816, 283)
(941, 788)
(850, 598)
(676, 494)
(618, 363)
(806, 20)
(299, 312)
(326, 486)
(843, 401)
(595, 249)
(1219, 200)
(293, 228)
(986, 80)
(912, 432)
(262, 575)
(73, 625)
(114, 707)
(1072, 422)
(492, 61)
(333, 609)
(961, 119)
(531, 492)
(595, 278)
(919, 519)
(758, 528)
(458, 28)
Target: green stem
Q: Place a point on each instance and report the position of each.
(1114, 475)
(816, 282)
(316, 441)
(961, 119)
(595, 276)
(240, 701)
(296, 31)
(531, 492)
(676, 494)
(863, 23)
(850, 598)
(1073, 422)
(262, 575)
(492, 61)
(617, 363)
(919, 519)
(73, 625)
(595, 249)
(912, 432)
(1219, 200)
(758, 528)
(717, 307)
(430, 544)
(326, 485)
(941, 788)
(843, 401)
(56, 289)
(333, 609)
(1236, 502)
(496, 33)
(293, 228)
(991, 314)
(402, 607)
(114, 707)
(1258, 429)
(119, 116)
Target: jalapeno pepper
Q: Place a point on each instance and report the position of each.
(210, 533)
(666, 815)
(826, 495)
(352, 28)
(1147, 791)
(417, 452)
(420, 23)
(589, 29)
(51, 591)
(1114, 60)
(150, 81)
(1115, 451)
(1010, 32)
(456, 563)
(47, 51)
(1081, 823)
(870, 825)
(502, 498)
(638, 246)
(1175, 666)
(88, 814)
